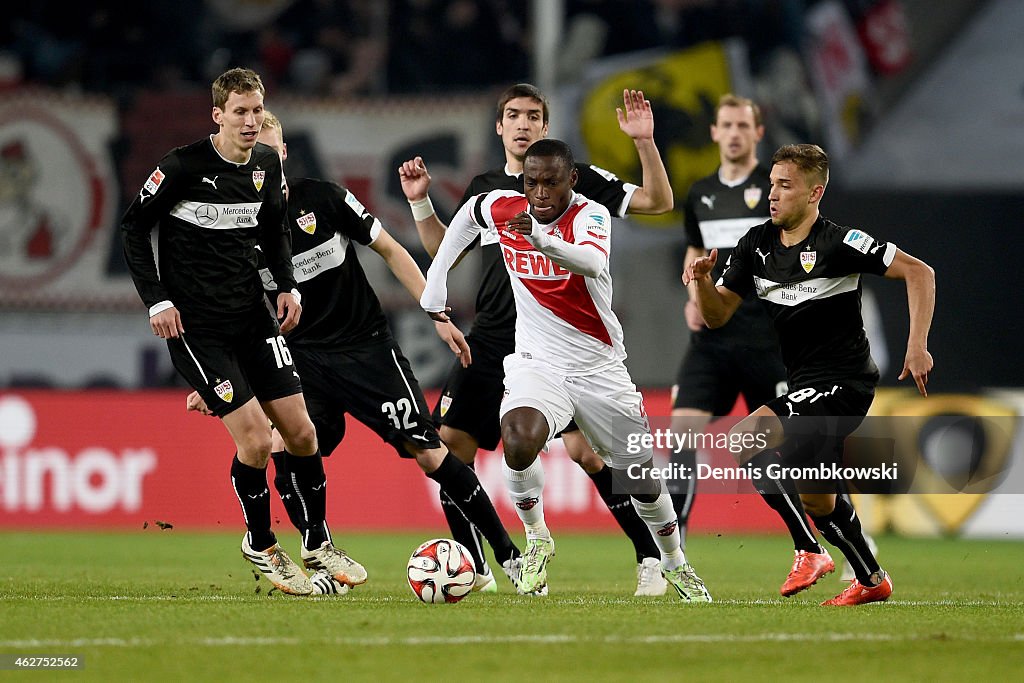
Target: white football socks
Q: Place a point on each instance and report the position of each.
(660, 518)
(526, 489)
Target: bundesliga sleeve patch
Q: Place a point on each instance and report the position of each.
(860, 241)
(354, 204)
(154, 180)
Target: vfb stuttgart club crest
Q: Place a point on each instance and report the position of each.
(257, 179)
(225, 391)
(751, 196)
(307, 222)
(807, 259)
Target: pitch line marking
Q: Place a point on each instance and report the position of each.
(768, 602)
(551, 639)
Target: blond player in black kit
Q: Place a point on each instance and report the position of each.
(214, 202)
(806, 271)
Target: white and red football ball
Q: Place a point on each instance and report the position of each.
(441, 570)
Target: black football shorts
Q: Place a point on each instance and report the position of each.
(374, 384)
(230, 365)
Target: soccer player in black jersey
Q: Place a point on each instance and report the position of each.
(806, 272)
(469, 403)
(741, 357)
(351, 364)
(214, 201)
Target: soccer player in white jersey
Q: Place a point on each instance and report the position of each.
(568, 359)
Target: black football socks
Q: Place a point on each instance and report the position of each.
(302, 485)
(250, 485)
(461, 484)
(463, 531)
(781, 495)
(842, 529)
(622, 510)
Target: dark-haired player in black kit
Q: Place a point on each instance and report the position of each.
(215, 201)
(470, 401)
(351, 364)
(741, 357)
(806, 272)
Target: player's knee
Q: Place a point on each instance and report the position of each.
(254, 448)
(643, 486)
(461, 444)
(818, 505)
(584, 456)
(754, 434)
(429, 459)
(647, 498)
(521, 445)
(301, 439)
(276, 441)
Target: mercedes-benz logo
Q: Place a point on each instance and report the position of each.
(206, 214)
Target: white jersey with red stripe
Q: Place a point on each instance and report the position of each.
(562, 318)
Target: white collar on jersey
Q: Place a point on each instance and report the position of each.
(733, 183)
(214, 145)
(508, 171)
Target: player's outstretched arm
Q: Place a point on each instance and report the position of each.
(400, 262)
(716, 304)
(636, 119)
(416, 186)
(920, 279)
(457, 238)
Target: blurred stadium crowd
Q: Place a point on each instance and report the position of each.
(365, 47)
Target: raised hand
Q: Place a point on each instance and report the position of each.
(635, 118)
(414, 178)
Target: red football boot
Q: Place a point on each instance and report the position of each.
(807, 568)
(859, 594)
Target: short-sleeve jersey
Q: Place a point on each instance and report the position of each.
(495, 308)
(339, 307)
(716, 217)
(563, 318)
(812, 292)
(211, 213)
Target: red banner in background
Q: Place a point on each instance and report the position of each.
(102, 459)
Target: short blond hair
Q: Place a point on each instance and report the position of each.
(270, 120)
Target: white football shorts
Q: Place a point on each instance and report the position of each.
(605, 405)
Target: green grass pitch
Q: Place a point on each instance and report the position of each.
(168, 605)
